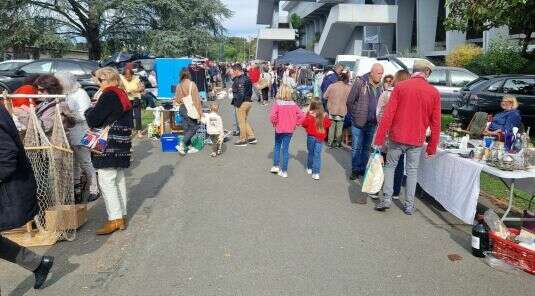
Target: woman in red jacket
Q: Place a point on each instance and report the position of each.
(316, 124)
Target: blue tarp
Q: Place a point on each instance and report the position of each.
(168, 75)
(302, 57)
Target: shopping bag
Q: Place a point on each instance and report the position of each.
(197, 142)
(374, 176)
(96, 139)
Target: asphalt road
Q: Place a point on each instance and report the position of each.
(225, 226)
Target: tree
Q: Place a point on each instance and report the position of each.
(190, 25)
(22, 29)
(486, 14)
(132, 23)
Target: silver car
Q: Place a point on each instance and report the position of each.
(449, 81)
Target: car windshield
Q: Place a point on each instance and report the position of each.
(472, 85)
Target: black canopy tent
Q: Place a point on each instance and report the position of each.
(302, 57)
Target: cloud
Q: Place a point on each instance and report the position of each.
(243, 23)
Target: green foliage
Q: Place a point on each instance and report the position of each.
(486, 14)
(463, 55)
(235, 49)
(501, 58)
(22, 30)
(296, 21)
(173, 27)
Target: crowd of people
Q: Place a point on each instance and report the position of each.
(398, 115)
(392, 114)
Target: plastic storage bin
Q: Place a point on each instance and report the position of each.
(169, 142)
(513, 253)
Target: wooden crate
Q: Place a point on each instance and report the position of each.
(27, 236)
(65, 217)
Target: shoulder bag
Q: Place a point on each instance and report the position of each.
(188, 103)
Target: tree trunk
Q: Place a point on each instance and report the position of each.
(93, 44)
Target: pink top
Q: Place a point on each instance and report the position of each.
(286, 116)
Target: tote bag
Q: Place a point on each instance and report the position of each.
(190, 107)
(374, 176)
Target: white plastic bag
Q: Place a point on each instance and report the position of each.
(374, 176)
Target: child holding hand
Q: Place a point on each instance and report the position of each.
(316, 124)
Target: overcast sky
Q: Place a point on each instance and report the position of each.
(243, 23)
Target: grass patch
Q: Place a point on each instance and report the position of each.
(446, 120)
(492, 185)
(147, 117)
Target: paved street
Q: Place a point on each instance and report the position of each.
(203, 226)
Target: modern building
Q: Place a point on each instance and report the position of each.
(362, 27)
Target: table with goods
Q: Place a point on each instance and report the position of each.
(452, 177)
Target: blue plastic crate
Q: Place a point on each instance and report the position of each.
(169, 142)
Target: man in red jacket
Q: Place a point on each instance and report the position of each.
(413, 108)
(254, 76)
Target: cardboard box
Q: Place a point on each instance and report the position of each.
(65, 217)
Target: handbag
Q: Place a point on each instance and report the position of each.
(188, 103)
(96, 140)
(264, 81)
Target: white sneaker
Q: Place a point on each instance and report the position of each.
(396, 197)
(180, 150)
(275, 170)
(309, 171)
(192, 150)
(283, 174)
(374, 196)
(316, 176)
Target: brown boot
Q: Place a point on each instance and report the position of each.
(110, 227)
(125, 223)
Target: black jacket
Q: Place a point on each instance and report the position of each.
(18, 197)
(242, 90)
(109, 111)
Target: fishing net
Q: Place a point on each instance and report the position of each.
(52, 163)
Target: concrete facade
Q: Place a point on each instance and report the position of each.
(363, 27)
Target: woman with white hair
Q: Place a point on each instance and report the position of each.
(78, 102)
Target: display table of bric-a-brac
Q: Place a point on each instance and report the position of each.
(455, 183)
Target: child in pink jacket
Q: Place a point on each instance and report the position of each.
(285, 117)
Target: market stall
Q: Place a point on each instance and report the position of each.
(452, 176)
(455, 183)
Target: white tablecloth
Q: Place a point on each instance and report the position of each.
(455, 182)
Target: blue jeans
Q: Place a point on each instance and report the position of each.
(360, 147)
(314, 154)
(282, 145)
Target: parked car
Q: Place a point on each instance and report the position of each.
(449, 81)
(11, 80)
(485, 94)
(11, 65)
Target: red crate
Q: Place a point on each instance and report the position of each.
(513, 253)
